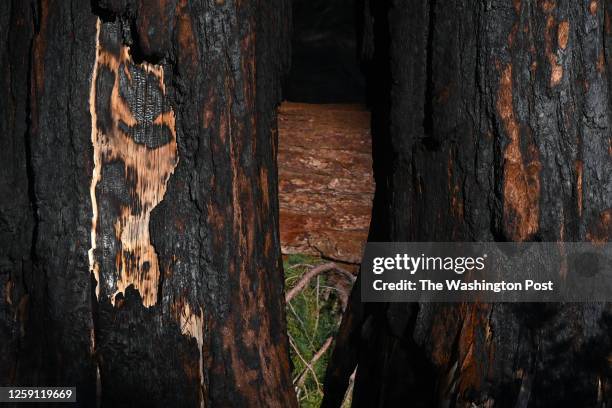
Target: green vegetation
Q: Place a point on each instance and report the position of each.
(313, 317)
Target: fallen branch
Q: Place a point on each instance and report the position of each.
(300, 265)
(314, 272)
(348, 396)
(309, 366)
(302, 377)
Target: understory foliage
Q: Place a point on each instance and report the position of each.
(313, 317)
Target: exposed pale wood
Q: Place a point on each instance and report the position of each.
(150, 168)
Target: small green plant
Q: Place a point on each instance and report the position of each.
(313, 316)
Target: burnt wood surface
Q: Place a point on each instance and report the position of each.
(139, 246)
(491, 121)
(326, 183)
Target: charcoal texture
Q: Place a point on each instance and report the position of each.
(196, 95)
(491, 121)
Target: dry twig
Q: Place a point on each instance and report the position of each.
(308, 365)
(314, 272)
(302, 377)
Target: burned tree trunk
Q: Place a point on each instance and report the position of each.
(492, 121)
(139, 255)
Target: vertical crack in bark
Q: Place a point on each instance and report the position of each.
(135, 153)
(578, 165)
(428, 108)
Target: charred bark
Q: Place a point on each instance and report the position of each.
(140, 257)
(492, 121)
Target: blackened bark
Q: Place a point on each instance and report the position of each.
(139, 253)
(16, 214)
(496, 126)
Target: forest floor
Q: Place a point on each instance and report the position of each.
(326, 188)
(316, 292)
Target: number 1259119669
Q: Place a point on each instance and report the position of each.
(33, 394)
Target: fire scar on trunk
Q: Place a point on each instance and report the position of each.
(135, 152)
(521, 186)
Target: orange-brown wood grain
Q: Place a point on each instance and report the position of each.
(325, 179)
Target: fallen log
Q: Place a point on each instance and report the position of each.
(325, 180)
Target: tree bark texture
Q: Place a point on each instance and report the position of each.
(139, 252)
(325, 180)
(492, 121)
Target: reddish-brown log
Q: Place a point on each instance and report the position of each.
(325, 180)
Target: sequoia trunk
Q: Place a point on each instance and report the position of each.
(139, 248)
(492, 121)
